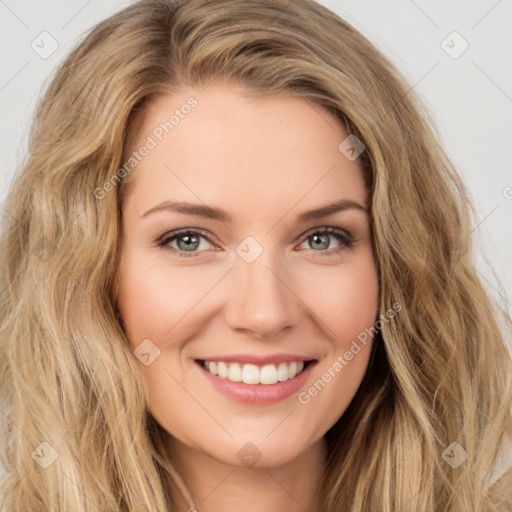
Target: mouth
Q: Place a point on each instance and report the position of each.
(256, 384)
(254, 374)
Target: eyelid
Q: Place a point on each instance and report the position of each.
(175, 234)
(326, 229)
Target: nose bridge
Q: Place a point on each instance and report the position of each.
(261, 300)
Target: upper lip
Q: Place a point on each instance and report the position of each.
(257, 360)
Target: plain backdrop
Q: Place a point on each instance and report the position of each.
(457, 55)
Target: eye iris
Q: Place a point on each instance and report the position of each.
(318, 237)
(191, 242)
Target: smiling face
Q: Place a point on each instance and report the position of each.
(250, 278)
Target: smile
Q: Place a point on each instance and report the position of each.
(253, 374)
(256, 382)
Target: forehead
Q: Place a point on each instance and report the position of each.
(226, 147)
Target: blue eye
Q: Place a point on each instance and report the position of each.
(321, 238)
(189, 241)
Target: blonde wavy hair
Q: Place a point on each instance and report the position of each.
(440, 371)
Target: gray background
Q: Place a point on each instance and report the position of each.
(470, 96)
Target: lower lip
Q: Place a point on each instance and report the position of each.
(258, 393)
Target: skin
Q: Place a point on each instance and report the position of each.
(263, 161)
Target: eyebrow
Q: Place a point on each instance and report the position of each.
(210, 212)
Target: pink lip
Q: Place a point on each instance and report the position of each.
(258, 393)
(257, 360)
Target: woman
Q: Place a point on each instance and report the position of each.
(174, 338)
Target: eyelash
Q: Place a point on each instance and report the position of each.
(340, 235)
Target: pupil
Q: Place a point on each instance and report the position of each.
(189, 242)
(325, 245)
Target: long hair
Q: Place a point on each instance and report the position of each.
(76, 434)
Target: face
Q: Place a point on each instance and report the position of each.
(245, 285)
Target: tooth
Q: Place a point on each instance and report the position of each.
(235, 372)
(268, 374)
(282, 372)
(250, 374)
(253, 374)
(222, 369)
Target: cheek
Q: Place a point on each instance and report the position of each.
(345, 301)
(347, 305)
(154, 301)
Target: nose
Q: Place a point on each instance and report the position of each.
(261, 301)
